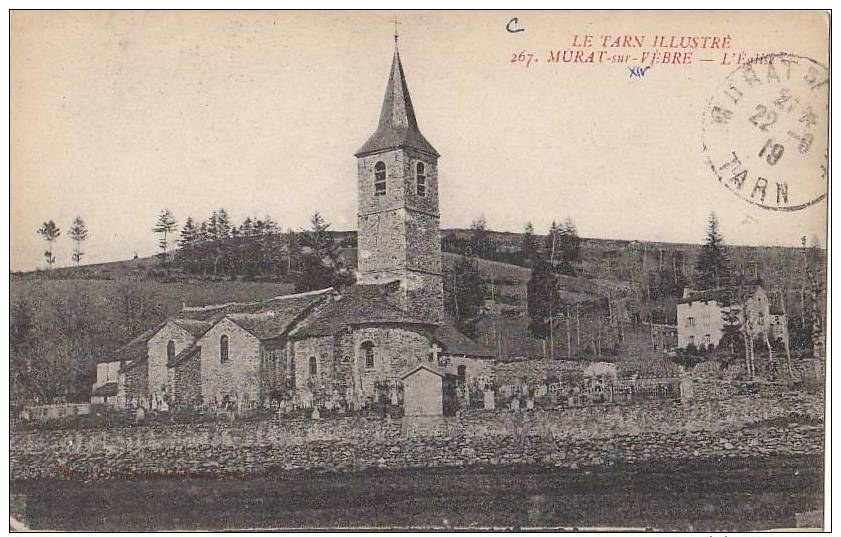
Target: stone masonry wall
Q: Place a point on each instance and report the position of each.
(320, 348)
(132, 387)
(238, 377)
(745, 426)
(395, 350)
(186, 382)
(157, 349)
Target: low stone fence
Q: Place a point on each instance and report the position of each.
(742, 426)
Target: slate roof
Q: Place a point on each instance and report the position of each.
(454, 342)
(213, 313)
(268, 325)
(184, 355)
(107, 389)
(710, 295)
(194, 327)
(134, 352)
(361, 304)
(417, 368)
(398, 126)
(198, 319)
(718, 294)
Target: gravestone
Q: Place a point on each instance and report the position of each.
(530, 404)
(687, 389)
(515, 404)
(542, 390)
(490, 400)
(316, 415)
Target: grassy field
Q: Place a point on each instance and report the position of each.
(732, 495)
(171, 295)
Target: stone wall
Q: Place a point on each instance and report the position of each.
(321, 348)
(399, 233)
(132, 388)
(395, 350)
(536, 371)
(239, 376)
(186, 381)
(157, 353)
(744, 426)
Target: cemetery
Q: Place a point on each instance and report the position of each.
(600, 423)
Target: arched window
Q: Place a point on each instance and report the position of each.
(313, 366)
(367, 351)
(379, 178)
(170, 351)
(292, 371)
(223, 349)
(421, 179)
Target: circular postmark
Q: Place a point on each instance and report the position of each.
(765, 132)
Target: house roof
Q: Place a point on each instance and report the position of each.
(710, 295)
(362, 304)
(398, 126)
(195, 327)
(107, 389)
(454, 342)
(198, 319)
(134, 352)
(417, 368)
(184, 355)
(270, 324)
(213, 313)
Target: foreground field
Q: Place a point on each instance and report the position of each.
(709, 495)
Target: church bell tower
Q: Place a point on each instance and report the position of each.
(398, 219)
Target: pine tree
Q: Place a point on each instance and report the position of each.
(189, 234)
(463, 294)
(570, 243)
(223, 224)
(541, 296)
(479, 244)
(530, 246)
(319, 268)
(50, 232)
(187, 244)
(316, 237)
(712, 269)
(78, 232)
(246, 229)
(270, 227)
(550, 244)
(165, 225)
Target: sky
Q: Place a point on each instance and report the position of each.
(117, 115)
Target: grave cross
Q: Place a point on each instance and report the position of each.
(435, 349)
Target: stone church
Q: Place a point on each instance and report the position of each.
(336, 348)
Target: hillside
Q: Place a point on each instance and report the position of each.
(604, 312)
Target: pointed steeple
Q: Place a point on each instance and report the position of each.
(398, 126)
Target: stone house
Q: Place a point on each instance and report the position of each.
(700, 315)
(334, 347)
(104, 390)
